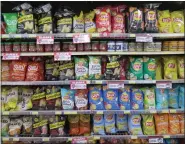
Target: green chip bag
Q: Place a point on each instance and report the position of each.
(136, 68)
(148, 125)
(11, 22)
(94, 68)
(149, 68)
(12, 97)
(5, 121)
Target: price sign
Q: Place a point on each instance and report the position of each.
(62, 56)
(81, 38)
(80, 140)
(45, 39)
(164, 84)
(115, 85)
(155, 140)
(78, 85)
(144, 38)
(104, 35)
(11, 56)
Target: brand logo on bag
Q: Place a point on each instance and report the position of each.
(149, 124)
(19, 67)
(151, 67)
(177, 19)
(137, 66)
(151, 15)
(135, 120)
(124, 97)
(110, 95)
(138, 96)
(171, 65)
(95, 95)
(33, 68)
(137, 15)
(166, 20)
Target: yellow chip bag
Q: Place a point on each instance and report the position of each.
(174, 124)
(148, 125)
(165, 24)
(90, 26)
(78, 23)
(180, 67)
(170, 67)
(158, 69)
(177, 18)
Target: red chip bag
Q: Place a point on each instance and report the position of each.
(5, 71)
(123, 64)
(103, 19)
(18, 70)
(73, 124)
(84, 124)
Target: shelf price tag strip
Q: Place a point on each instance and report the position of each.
(78, 85)
(11, 56)
(144, 38)
(115, 84)
(80, 140)
(62, 56)
(81, 38)
(155, 139)
(45, 39)
(164, 84)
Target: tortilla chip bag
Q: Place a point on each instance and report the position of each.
(180, 67)
(161, 124)
(177, 18)
(181, 119)
(174, 124)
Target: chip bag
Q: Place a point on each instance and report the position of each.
(180, 67)
(148, 125)
(90, 26)
(78, 23)
(173, 98)
(165, 22)
(161, 99)
(5, 71)
(174, 124)
(110, 98)
(161, 124)
(181, 119)
(124, 98)
(81, 99)
(110, 123)
(68, 98)
(149, 66)
(74, 124)
(95, 68)
(96, 98)
(149, 98)
(122, 122)
(170, 67)
(134, 125)
(159, 73)
(84, 124)
(181, 96)
(5, 121)
(27, 125)
(136, 99)
(12, 97)
(15, 127)
(177, 18)
(98, 124)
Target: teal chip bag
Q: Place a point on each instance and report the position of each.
(149, 68)
(148, 125)
(11, 22)
(181, 97)
(98, 124)
(68, 98)
(173, 97)
(95, 68)
(161, 99)
(5, 121)
(122, 122)
(110, 123)
(134, 125)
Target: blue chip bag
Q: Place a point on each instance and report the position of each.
(98, 124)
(68, 97)
(171, 141)
(109, 123)
(181, 97)
(122, 122)
(124, 99)
(136, 99)
(134, 125)
(110, 98)
(96, 98)
(173, 97)
(161, 99)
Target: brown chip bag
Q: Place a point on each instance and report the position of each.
(84, 124)
(73, 124)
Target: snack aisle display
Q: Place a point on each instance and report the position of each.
(114, 74)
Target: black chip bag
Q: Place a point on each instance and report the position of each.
(25, 22)
(40, 126)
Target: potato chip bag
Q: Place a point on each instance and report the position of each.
(81, 99)
(5, 121)
(96, 98)
(90, 25)
(173, 97)
(161, 99)
(159, 73)
(110, 98)
(5, 71)
(78, 23)
(68, 98)
(180, 67)
(136, 68)
(181, 119)
(110, 123)
(134, 125)
(149, 98)
(12, 97)
(124, 98)
(177, 18)
(148, 125)
(149, 66)
(170, 67)
(15, 127)
(74, 124)
(95, 68)
(98, 124)
(161, 124)
(165, 23)
(136, 99)
(5, 106)
(121, 122)
(174, 124)
(84, 124)
(181, 97)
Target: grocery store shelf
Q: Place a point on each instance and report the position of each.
(71, 112)
(96, 35)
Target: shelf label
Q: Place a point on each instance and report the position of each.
(35, 113)
(99, 112)
(62, 56)
(104, 35)
(11, 56)
(132, 82)
(81, 38)
(5, 139)
(126, 111)
(45, 139)
(6, 113)
(45, 39)
(164, 84)
(155, 140)
(58, 113)
(144, 38)
(80, 140)
(115, 85)
(70, 112)
(15, 139)
(166, 136)
(173, 111)
(78, 85)
(133, 137)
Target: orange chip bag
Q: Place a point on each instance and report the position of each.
(181, 119)
(5, 71)
(161, 121)
(84, 124)
(174, 124)
(18, 70)
(73, 124)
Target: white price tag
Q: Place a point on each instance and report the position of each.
(11, 56)
(155, 140)
(144, 38)
(45, 39)
(80, 140)
(62, 56)
(81, 38)
(115, 85)
(78, 85)
(164, 84)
